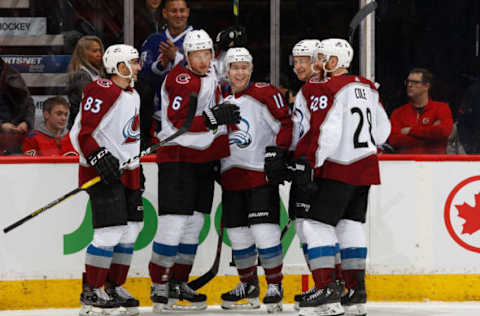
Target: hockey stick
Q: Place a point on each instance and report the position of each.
(192, 108)
(358, 18)
(235, 12)
(210, 274)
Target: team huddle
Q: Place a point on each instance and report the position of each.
(246, 137)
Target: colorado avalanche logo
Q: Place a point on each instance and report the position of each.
(104, 83)
(131, 130)
(261, 84)
(241, 137)
(183, 78)
(299, 118)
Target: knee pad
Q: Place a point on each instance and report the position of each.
(108, 236)
(266, 235)
(350, 234)
(192, 228)
(170, 229)
(318, 234)
(131, 233)
(241, 237)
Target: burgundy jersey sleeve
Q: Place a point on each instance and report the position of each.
(99, 97)
(180, 84)
(278, 107)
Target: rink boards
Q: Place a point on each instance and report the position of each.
(423, 235)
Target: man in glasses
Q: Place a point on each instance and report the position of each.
(421, 126)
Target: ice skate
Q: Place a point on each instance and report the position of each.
(273, 298)
(182, 297)
(96, 302)
(128, 304)
(299, 297)
(354, 302)
(243, 297)
(159, 297)
(323, 302)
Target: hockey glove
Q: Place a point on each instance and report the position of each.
(234, 36)
(276, 165)
(303, 175)
(221, 114)
(106, 165)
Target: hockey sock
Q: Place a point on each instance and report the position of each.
(97, 263)
(322, 277)
(272, 259)
(246, 263)
(184, 261)
(353, 263)
(121, 260)
(305, 254)
(163, 258)
(338, 262)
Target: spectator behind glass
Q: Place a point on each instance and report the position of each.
(469, 119)
(159, 53)
(421, 126)
(51, 137)
(148, 18)
(16, 110)
(86, 66)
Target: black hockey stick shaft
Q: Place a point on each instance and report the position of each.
(192, 108)
(212, 272)
(358, 18)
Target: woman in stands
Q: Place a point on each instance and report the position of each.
(86, 66)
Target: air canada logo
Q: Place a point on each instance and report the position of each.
(425, 120)
(131, 130)
(241, 137)
(183, 78)
(462, 213)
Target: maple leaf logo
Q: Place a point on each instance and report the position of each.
(471, 215)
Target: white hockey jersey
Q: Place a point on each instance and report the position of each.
(199, 144)
(265, 121)
(108, 117)
(346, 122)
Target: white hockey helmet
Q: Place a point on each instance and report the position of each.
(237, 54)
(339, 48)
(306, 47)
(197, 40)
(116, 54)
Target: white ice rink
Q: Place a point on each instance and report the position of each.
(374, 309)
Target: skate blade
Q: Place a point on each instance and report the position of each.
(245, 304)
(127, 311)
(184, 305)
(275, 307)
(355, 310)
(88, 310)
(296, 306)
(332, 309)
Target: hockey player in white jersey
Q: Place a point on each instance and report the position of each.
(186, 171)
(251, 205)
(338, 154)
(308, 66)
(106, 133)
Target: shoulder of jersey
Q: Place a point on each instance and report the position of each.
(102, 87)
(260, 90)
(338, 82)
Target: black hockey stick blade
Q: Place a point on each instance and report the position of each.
(210, 274)
(192, 108)
(51, 204)
(358, 18)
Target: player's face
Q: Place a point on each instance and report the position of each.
(94, 53)
(303, 67)
(135, 65)
(56, 119)
(200, 60)
(415, 85)
(176, 14)
(239, 75)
